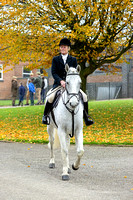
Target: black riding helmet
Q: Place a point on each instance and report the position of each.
(65, 41)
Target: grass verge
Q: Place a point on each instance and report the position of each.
(113, 124)
(9, 102)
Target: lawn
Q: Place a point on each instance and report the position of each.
(9, 102)
(113, 123)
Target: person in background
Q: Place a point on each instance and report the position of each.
(14, 89)
(38, 84)
(31, 91)
(27, 85)
(21, 94)
(43, 89)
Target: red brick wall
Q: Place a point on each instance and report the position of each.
(104, 78)
(5, 84)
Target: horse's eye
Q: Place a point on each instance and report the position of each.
(67, 83)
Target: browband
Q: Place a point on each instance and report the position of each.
(72, 74)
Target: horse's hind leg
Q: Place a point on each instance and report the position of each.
(80, 150)
(50, 130)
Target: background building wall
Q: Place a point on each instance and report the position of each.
(5, 84)
(99, 84)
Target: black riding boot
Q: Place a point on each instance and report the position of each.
(88, 121)
(47, 109)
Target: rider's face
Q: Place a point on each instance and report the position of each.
(64, 49)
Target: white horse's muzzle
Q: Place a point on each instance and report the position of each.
(74, 101)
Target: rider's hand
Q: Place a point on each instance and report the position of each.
(63, 83)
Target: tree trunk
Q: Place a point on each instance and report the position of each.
(85, 71)
(83, 85)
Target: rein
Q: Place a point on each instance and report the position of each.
(77, 95)
(72, 112)
(72, 95)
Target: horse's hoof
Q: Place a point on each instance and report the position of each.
(74, 167)
(65, 177)
(52, 165)
(69, 171)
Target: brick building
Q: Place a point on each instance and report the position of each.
(99, 84)
(102, 86)
(6, 78)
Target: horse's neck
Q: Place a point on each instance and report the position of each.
(65, 96)
(67, 114)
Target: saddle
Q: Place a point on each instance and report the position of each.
(56, 99)
(54, 105)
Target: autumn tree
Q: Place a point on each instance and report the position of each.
(100, 31)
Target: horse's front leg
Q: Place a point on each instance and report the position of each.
(50, 130)
(64, 140)
(80, 150)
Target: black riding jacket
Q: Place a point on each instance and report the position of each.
(58, 68)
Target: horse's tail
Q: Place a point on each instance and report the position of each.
(56, 140)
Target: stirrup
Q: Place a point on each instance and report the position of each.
(47, 121)
(88, 120)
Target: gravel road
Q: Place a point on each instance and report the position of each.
(106, 173)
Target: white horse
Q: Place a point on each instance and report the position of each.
(68, 121)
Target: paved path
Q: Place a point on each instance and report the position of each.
(106, 173)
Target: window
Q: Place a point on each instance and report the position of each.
(1, 72)
(26, 72)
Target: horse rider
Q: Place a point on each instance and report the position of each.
(59, 75)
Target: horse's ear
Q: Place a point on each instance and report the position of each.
(78, 68)
(66, 67)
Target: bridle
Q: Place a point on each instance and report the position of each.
(71, 95)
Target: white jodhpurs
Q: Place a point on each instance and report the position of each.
(51, 94)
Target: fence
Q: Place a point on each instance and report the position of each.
(104, 91)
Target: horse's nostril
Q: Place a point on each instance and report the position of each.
(73, 104)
